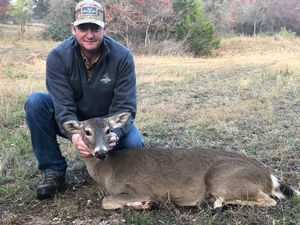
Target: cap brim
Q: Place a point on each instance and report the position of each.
(82, 21)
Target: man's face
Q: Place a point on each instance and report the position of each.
(89, 36)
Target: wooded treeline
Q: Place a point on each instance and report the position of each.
(165, 26)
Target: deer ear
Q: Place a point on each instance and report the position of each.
(118, 120)
(72, 126)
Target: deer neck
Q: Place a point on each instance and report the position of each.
(99, 170)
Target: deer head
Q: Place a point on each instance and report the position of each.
(96, 131)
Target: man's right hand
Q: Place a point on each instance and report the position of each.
(80, 145)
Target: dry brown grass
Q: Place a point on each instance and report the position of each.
(247, 99)
(258, 45)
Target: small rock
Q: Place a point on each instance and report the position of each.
(89, 202)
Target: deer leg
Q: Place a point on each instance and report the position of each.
(260, 199)
(218, 206)
(109, 203)
(218, 203)
(119, 201)
(143, 205)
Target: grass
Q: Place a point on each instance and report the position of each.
(246, 98)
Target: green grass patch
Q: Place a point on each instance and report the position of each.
(140, 219)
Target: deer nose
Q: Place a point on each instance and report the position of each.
(101, 154)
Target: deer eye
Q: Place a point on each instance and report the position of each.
(88, 132)
(107, 131)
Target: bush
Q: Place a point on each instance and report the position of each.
(203, 40)
(193, 27)
(57, 32)
(61, 14)
(287, 33)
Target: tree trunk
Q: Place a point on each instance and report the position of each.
(254, 27)
(146, 41)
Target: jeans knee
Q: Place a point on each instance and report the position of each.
(35, 102)
(38, 104)
(137, 142)
(132, 140)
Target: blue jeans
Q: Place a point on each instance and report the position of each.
(40, 119)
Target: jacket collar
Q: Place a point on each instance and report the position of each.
(104, 48)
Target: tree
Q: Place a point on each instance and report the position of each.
(265, 16)
(40, 8)
(251, 16)
(21, 12)
(218, 11)
(155, 13)
(139, 21)
(3, 9)
(60, 17)
(284, 14)
(194, 28)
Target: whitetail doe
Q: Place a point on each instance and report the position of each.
(140, 177)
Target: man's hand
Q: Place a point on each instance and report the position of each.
(80, 145)
(113, 140)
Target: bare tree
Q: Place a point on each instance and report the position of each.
(3, 9)
(139, 21)
(218, 11)
(284, 14)
(60, 16)
(268, 16)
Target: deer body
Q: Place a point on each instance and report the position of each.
(137, 177)
(186, 176)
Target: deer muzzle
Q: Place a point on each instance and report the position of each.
(101, 153)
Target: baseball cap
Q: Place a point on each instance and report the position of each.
(89, 11)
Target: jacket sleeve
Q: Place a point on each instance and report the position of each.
(124, 99)
(60, 90)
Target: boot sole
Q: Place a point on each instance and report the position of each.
(46, 194)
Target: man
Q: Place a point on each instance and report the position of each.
(87, 75)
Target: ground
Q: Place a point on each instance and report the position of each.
(245, 98)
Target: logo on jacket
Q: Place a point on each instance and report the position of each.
(105, 79)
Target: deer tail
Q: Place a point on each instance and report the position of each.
(281, 190)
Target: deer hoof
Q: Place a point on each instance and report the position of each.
(146, 205)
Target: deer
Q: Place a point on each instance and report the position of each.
(142, 178)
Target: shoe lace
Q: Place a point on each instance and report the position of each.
(50, 179)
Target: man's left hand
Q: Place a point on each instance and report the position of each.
(113, 140)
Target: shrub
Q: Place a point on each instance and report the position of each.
(61, 14)
(57, 32)
(287, 33)
(193, 27)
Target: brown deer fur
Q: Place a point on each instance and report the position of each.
(139, 177)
